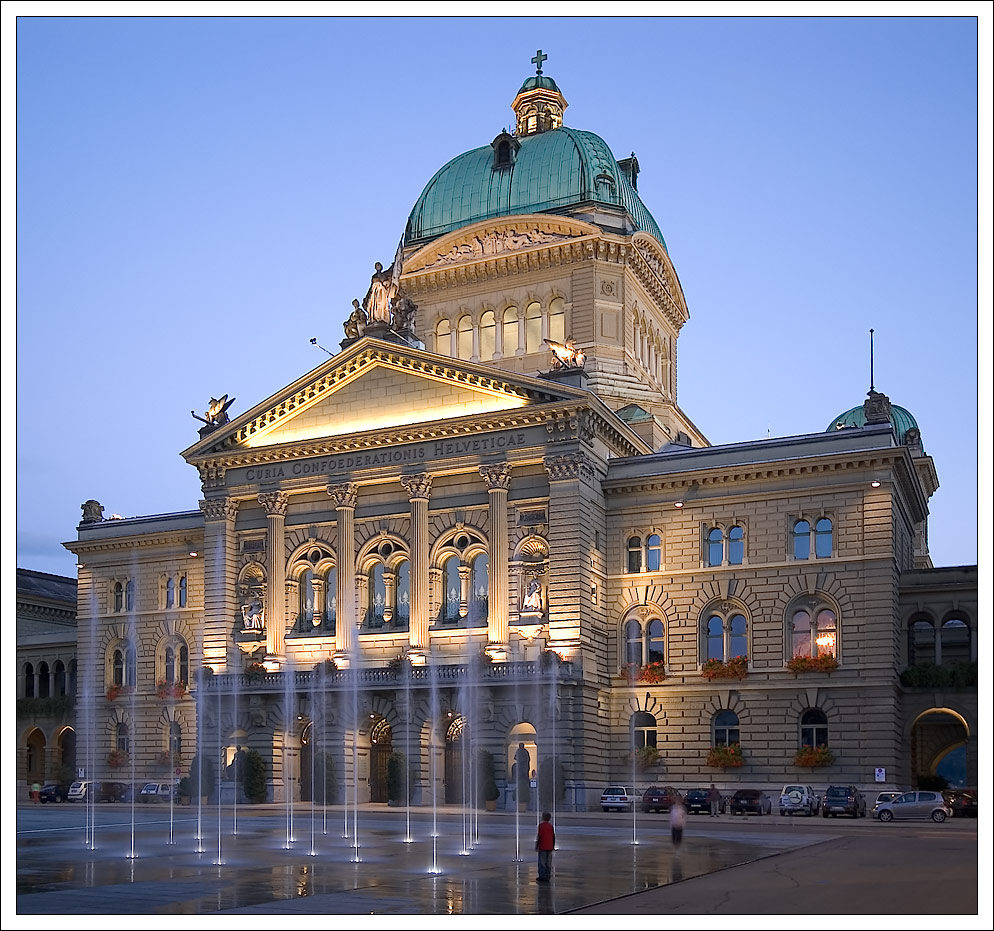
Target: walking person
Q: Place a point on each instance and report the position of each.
(35, 792)
(714, 797)
(545, 843)
(678, 821)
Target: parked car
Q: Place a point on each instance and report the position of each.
(884, 797)
(963, 804)
(620, 797)
(53, 793)
(659, 799)
(78, 791)
(157, 792)
(914, 805)
(697, 800)
(795, 799)
(843, 800)
(751, 800)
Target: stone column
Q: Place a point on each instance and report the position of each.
(219, 581)
(419, 491)
(275, 503)
(498, 479)
(344, 497)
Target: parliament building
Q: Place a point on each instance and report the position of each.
(487, 523)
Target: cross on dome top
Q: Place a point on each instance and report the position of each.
(537, 61)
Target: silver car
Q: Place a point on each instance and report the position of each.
(621, 798)
(914, 805)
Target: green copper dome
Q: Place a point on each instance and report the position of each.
(539, 80)
(551, 172)
(901, 420)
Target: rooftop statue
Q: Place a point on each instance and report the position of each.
(382, 290)
(566, 355)
(403, 313)
(357, 321)
(217, 412)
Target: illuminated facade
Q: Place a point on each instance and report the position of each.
(495, 548)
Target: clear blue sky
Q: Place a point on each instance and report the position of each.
(198, 197)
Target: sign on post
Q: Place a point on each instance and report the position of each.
(880, 774)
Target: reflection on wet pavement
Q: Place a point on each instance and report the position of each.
(59, 873)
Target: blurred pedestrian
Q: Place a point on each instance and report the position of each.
(714, 797)
(678, 821)
(545, 843)
(35, 792)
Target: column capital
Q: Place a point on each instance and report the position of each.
(219, 509)
(569, 467)
(344, 496)
(497, 476)
(274, 502)
(418, 486)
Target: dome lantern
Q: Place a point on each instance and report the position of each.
(539, 103)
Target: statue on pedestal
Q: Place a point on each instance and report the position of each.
(382, 290)
(357, 321)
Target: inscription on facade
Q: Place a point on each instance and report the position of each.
(402, 455)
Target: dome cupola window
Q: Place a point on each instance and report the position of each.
(539, 104)
(505, 148)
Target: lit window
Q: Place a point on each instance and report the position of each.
(557, 320)
(488, 336)
(509, 331)
(465, 337)
(813, 631)
(443, 342)
(533, 327)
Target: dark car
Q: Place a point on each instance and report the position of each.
(696, 800)
(751, 800)
(53, 793)
(963, 804)
(843, 800)
(659, 799)
(113, 792)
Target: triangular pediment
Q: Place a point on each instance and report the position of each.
(378, 386)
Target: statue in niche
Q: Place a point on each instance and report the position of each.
(533, 600)
(357, 321)
(217, 412)
(382, 290)
(253, 613)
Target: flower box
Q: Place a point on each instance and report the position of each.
(170, 690)
(736, 668)
(119, 691)
(725, 757)
(650, 672)
(117, 759)
(643, 758)
(813, 756)
(824, 663)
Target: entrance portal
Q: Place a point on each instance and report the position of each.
(381, 746)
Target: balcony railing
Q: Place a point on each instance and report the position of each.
(420, 677)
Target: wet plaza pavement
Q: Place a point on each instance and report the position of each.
(477, 864)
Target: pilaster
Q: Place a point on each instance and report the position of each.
(275, 505)
(419, 491)
(344, 498)
(217, 649)
(498, 479)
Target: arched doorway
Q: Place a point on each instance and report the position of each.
(67, 752)
(456, 754)
(35, 756)
(307, 763)
(936, 734)
(522, 754)
(380, 748)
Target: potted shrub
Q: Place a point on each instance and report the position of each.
(254, 783)
(399, 666)
(488, 784)
(185, 790)
(327, 667)
(813, 756)
(824, 663)
(255, 673)
(725, 756)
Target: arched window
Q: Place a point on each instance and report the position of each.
(725, 729)
(800, 634)
(643, 728)
(823, 538)
(633, 643)
(716, 638)
(71, 685)
(488, 334)
(480, 589)
(124, 664)
(802, 540)
(377, 596)
(557, 320)
(814, 728)
(402, 595)
(465, 337)
(451, 591)
(509, 331)
(122, 737)
(170, 593)
(955, 643)
(129, 594)
(182, 591)
(738, 639)
(716, 548)
(175, 738)
(59, 676)
(44, 685)
(533, 327)
(331, 598)
(656, 652)
(177, 663)
(118, 597)
(726, 634)
(443, 340)
(653, 553)
(503, 154)
(736, 546)
(29, 681)
(634, 554)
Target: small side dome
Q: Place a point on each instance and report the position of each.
(901, 420)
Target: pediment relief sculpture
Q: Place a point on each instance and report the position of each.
(495, 242)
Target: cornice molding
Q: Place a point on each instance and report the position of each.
(144, 541)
